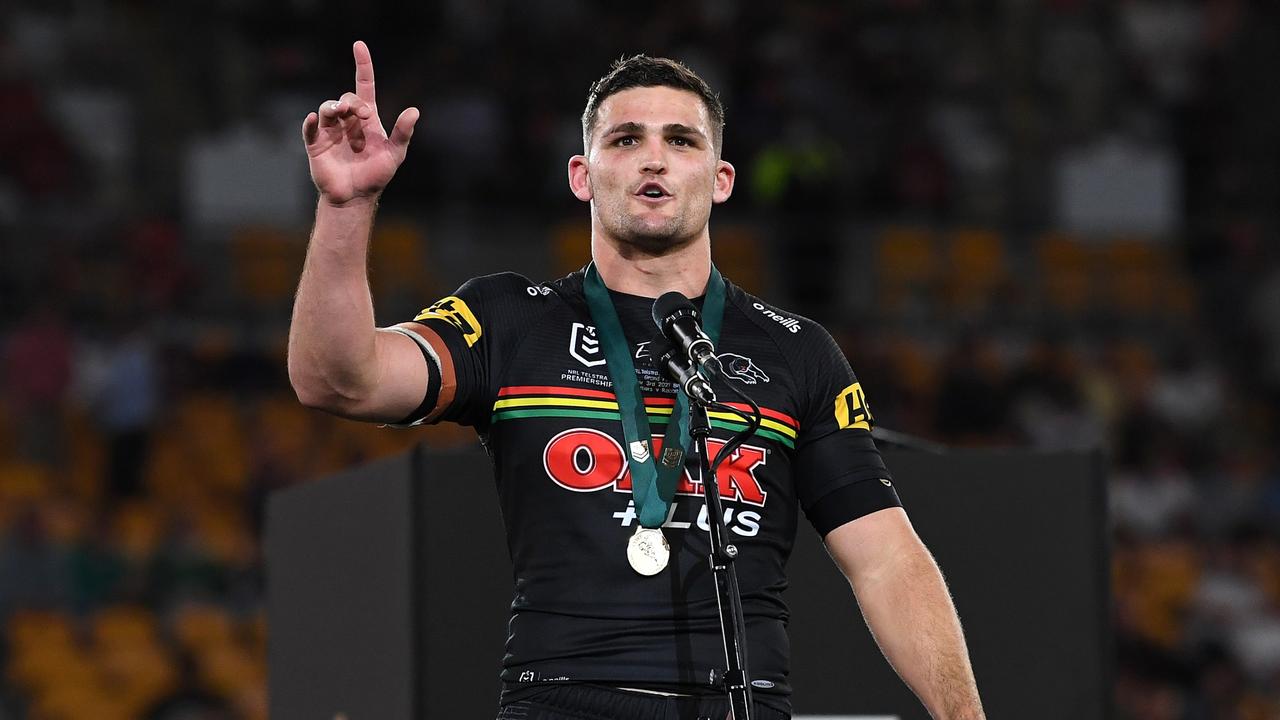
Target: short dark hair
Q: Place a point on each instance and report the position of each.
(644, 71)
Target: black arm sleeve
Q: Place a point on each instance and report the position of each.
(840, 474)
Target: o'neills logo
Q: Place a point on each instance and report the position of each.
(587, 460)
(789, 323)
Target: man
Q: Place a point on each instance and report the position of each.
(604, 624)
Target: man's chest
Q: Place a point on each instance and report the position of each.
(557, 433)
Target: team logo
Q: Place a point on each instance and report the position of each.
(455, 312)
(742, 368)
(584, 345)
(640, 450)
(852, 411)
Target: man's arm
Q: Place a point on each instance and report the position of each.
(338, 360)
(908, 610)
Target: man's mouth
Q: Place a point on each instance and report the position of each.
(652, 191)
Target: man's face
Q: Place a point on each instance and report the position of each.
(651, 171)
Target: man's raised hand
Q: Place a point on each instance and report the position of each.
(350, 154)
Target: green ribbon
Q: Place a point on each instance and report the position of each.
(653, 484)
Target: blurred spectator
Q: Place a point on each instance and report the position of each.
(120, 381)
(973, 402)
(33, 570)
(37, 375)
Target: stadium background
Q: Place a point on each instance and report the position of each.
(1035, 223)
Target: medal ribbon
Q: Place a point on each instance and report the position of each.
(653, 483)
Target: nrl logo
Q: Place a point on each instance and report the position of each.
(742, 368)
(584, 346)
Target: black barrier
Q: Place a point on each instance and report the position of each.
(389, 588)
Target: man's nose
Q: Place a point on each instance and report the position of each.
(655, 160)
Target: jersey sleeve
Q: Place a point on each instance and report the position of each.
(475, 323)
(840, 474)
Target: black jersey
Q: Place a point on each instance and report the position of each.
(531, 379)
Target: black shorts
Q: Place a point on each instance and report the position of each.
(594, 702)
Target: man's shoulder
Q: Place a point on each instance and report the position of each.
(790, 328)
(507, 283)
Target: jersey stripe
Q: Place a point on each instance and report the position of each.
(551, 391)
(656, 418)
(564, 402)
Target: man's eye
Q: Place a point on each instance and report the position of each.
(625, 140)
(681, 142)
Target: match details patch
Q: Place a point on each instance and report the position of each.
(851, 409)
(455, 312)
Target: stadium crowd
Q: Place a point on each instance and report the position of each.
(1047, 225)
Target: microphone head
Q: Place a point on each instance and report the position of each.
(672, 303)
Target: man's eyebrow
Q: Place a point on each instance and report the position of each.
(678, 129)
(632, 126)
(628, 127)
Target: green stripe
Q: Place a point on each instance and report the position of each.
(610, 415)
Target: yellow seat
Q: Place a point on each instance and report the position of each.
(1066, 273)
(570, 246)
(227, 669)
(739, 255)
(23, 482)
(123, 625)
(976, 268)
(201, 626)
(1141, 278)
(266, 263)
(136, 676)
(224, 534)
(138, 527)
(906, 266)
(396, 260)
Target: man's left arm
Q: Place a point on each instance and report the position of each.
(908, 609)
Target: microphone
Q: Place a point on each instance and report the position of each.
(682, 325)
(676, 367)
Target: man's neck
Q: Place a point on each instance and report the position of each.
(627, 269)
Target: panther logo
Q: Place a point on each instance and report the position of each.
(742, 368)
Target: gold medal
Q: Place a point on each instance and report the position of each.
(648, 551)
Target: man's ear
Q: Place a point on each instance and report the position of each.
(578, 184)
(724, 182)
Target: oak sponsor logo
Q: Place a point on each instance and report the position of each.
(455, 312)
(587, 460)
(852, 411)
(790, 323)
(584, 345)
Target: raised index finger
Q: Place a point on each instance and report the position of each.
(364, 72)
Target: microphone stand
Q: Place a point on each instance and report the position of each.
(728, 597)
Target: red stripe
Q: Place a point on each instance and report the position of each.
(550, 390)
(606, 395)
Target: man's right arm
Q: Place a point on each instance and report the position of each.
(338, 360)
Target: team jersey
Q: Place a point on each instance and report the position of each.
(531, 379)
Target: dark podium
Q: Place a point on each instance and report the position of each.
(389, 587)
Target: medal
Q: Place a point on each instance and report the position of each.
(648, 551)
(653, 483)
